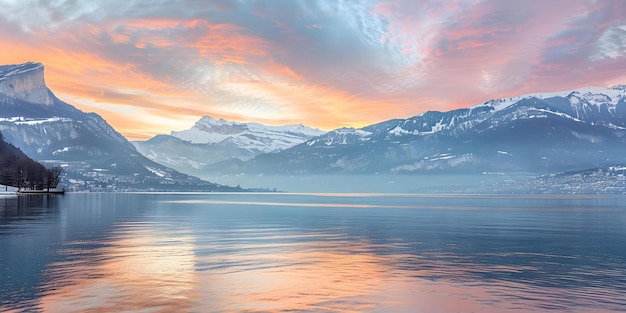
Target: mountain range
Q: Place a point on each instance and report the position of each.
(546, 135)
(536, 133)
(210, 141)
(93, 155)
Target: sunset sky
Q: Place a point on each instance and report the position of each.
(150, 67)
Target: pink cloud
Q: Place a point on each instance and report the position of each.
(327, 64)
(498, 49)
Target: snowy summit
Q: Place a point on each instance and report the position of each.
(250, 136)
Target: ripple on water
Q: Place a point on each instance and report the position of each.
(227, 253)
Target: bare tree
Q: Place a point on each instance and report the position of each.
(6, 179)
(19, 179)
(53, 177)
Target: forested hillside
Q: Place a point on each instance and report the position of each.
(18, 170)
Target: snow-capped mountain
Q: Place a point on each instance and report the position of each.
(250, 136)
(547, 132)
(93, 154)
(210, 141)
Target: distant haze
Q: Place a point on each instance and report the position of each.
(152, 68)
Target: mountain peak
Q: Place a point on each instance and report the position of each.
(208, 121)
(25, 82)
(593, 95)
(16, 69)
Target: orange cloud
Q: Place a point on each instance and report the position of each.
(274, 68)
(170, 69)
(226, 43)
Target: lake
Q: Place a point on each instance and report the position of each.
(277, 252)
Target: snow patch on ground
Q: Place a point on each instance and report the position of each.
(399, 131)
(19, 120)
(156, 171)
(442, 156)
(65, 149)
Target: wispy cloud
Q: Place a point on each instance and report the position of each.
(323, 63)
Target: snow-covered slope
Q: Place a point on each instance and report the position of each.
(593, 95)
(250, 136)
(210, 141)
(592, 104)
(569, 130)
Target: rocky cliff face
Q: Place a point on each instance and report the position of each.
(93, 154)
(25, 82)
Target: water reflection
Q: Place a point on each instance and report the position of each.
(140, 267)
(13, 207)
(242, 253)
(23, 236)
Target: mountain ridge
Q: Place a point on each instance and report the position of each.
(94, 155)
(209, 130)
(210, 141)
(534, 133)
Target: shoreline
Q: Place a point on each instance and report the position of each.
(40, 192)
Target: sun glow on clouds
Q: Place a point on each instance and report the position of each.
(328, 64)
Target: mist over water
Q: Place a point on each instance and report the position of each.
(362, 183)
(315, 252)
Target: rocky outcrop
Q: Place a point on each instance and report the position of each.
(25, 82)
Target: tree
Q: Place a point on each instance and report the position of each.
(19, 178)
(6, 179)
(53, 177)
(18, 170)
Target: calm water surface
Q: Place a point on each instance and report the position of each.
(312, 253)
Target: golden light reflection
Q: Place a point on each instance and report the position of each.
(242, 271)
(329, 275)
(273, 269)
(302, 279)
(134, 272)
